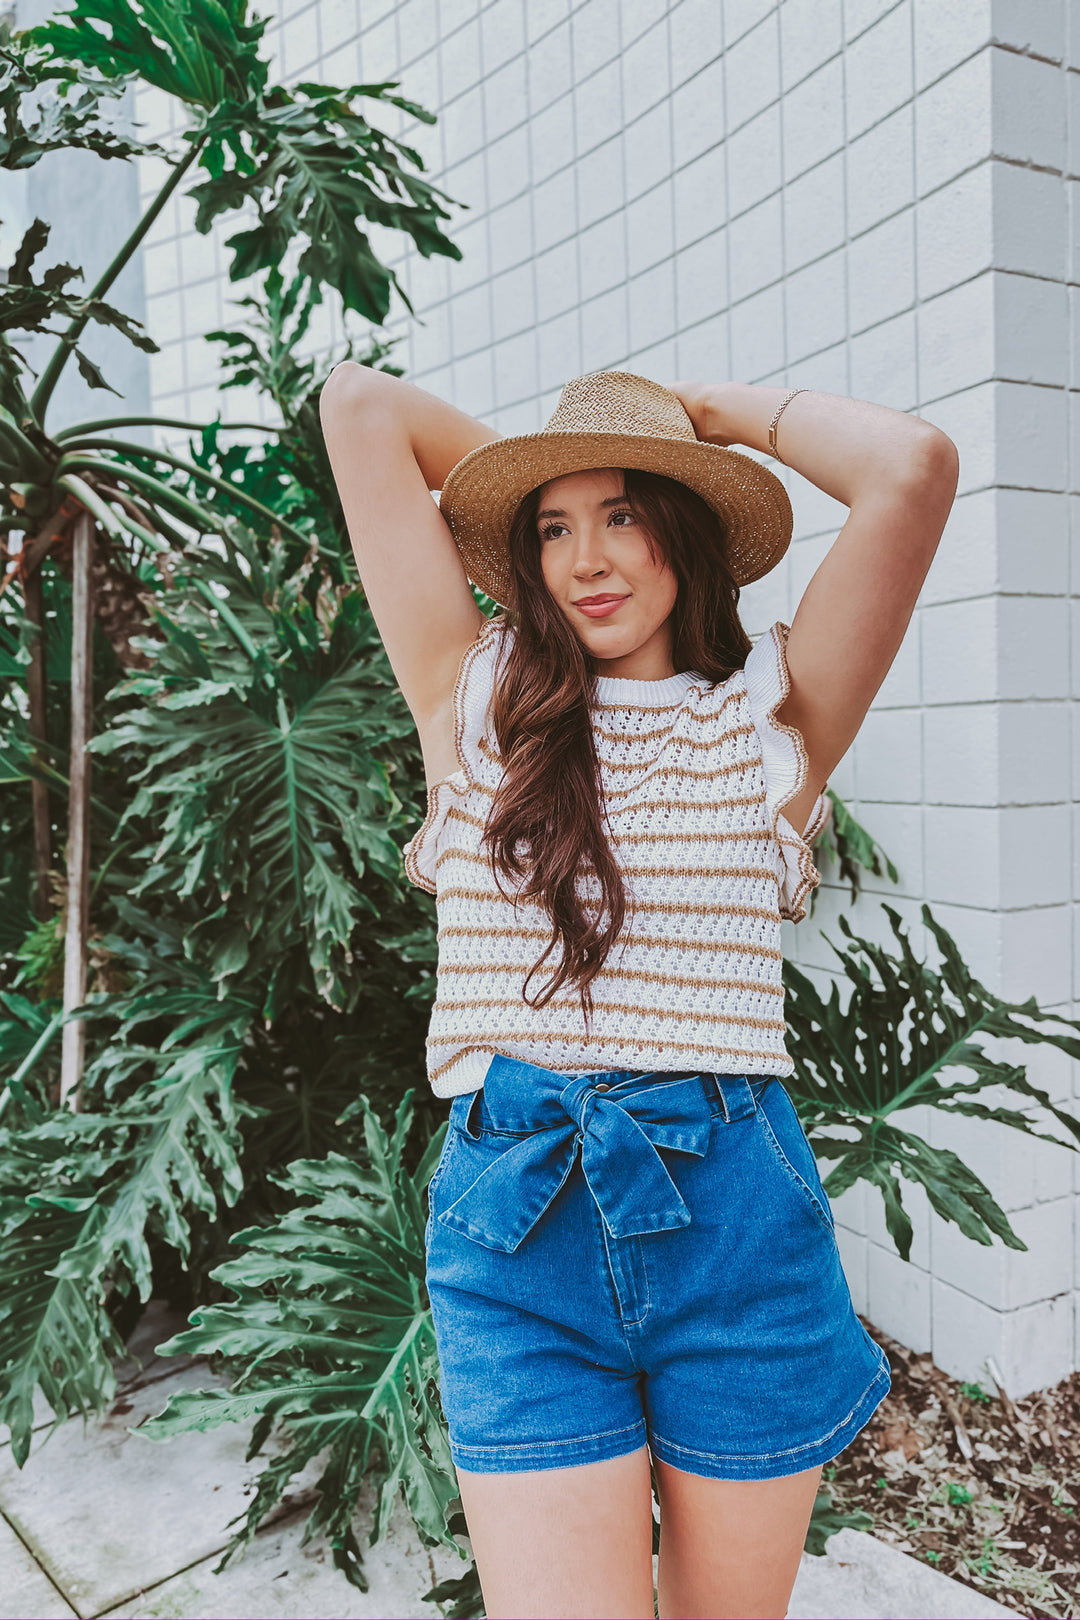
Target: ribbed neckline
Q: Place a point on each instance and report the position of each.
(644, 694)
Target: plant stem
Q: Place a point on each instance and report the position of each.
(120, 469)
(30, 1059)
(50, 376)
(107, 422)
(187, 511)
(100, 510)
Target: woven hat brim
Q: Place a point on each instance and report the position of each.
(482, 492)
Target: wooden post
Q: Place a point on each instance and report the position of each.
(78, 845)
(33, 556)
(33, 601)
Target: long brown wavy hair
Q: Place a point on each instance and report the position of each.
(546, 833)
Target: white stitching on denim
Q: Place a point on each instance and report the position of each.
(544, 1445)
(790, 1451)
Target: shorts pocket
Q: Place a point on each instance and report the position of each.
(452, 1141)
(437, 1173)
(783, 1131)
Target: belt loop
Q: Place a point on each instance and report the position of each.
(736, 1095)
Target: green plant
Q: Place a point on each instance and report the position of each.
(254, 951)
(330, 1324)
(826, 1519)
(853, 848)
(263, 951)
(904, 1027)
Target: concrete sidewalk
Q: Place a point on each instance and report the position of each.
(102, 1523)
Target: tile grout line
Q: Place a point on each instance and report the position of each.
(53, 1582)
(284, 1521)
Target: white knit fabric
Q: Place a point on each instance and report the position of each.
(695, 778)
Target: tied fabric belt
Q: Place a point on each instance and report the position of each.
(619, 1119)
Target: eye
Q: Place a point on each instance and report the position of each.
(547, 529)
(622, 513)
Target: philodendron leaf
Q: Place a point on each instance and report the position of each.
(265, 791)
(54, 1333)
(203, 52)
(48, 105)
(317, 169)
(911, 1035)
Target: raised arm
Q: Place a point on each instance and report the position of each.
(897, 474)
(390, 444)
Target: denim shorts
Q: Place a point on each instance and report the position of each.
(622, 1258)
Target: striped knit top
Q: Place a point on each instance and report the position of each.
(694, 777)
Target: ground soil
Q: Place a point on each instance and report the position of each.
(984, 1488)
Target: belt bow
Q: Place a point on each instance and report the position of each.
(619, 1131)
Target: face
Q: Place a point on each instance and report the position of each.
(597, 564)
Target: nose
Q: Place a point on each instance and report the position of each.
(590, 559)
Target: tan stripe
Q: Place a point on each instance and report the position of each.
(646, 941)
(700, 743)
(669, 908)
(688, 804)
(661, 1014)
(759, 834)
(664, 762)
(681, 980)
(667, 804)
(454, 814)
(575, 1040)
(640, 708)
(703, 873)
(666, 731)
(684, 773)
(646, 764)
(666, 708)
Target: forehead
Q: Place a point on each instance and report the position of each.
(585, 488)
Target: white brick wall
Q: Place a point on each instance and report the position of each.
(878, 197)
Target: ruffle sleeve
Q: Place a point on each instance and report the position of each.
(768, 683)
(472, 695)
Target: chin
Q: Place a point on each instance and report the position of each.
(615, 642)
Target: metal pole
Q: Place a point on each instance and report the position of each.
(78, 846)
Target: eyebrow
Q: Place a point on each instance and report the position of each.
(556, 511)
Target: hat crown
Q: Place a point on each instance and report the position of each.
(620, 402)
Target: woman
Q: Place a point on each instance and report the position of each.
(630, 1255)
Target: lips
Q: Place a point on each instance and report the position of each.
(598, 607)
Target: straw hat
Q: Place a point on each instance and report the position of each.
(612, 419)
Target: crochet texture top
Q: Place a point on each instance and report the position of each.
(695, 777)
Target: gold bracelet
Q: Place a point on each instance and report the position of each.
(779, 411)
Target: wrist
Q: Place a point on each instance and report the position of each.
(724, 413)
